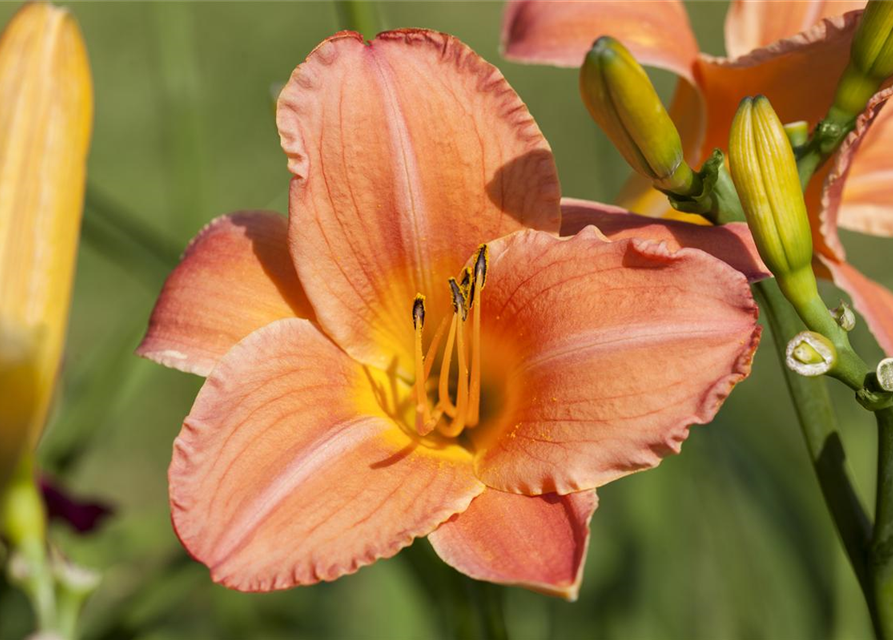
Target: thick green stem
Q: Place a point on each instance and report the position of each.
(489, 598)
(361, 16)
(818, 423)
(467, 609)
(882, 544)
(827, 137)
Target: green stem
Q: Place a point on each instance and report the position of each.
(361, 16)
(23, 523)
(466, 608)
(826, 139)
(882, 544)
(818, 423)
(489, 597)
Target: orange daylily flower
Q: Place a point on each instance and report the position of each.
(792, 52)
(416, 352)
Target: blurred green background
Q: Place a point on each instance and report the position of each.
(729, 540)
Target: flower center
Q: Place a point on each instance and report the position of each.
(450, 418)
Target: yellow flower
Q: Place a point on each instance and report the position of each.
(46, 111)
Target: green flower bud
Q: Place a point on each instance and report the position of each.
(871, 59)
(844, 317)
(765, 175)
(621, 99)
(810, 354)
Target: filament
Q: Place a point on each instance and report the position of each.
(443, 388)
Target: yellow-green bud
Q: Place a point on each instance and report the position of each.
(810, 354)
(621, 99)
(871, 59)
(765, 175)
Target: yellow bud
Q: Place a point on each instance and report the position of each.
(621, 99)
(871, 59)
(46, 111)
(765, 175)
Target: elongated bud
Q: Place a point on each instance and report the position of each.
(871, 59)
(765, 175)
(621, 99)
(884, 373)
(810, 354)
(46, 110)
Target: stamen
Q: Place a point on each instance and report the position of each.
(422, 410)
(481, 263)
(443, 388)
(466, 284)
(432, 348)
(460, 311)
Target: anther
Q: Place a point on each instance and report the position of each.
(481, 264)
(418, 312)
(460, 299)
(423, 412)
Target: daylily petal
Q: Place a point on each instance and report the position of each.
(872, 300)
(620, 346)
(731, 243)
(289, 471)
(751, 24)
(537, 542)
(556, 32)
(236, 276)
(858, 192)
(798, 74)
(408, 153)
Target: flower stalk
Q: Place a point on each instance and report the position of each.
(882, 540)
(870, 64)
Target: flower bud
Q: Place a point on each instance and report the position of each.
(810, 354)
(884, 374)
(46, 110)
(844, 317)
(871, 59)
(621, 99)
(765, 175)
